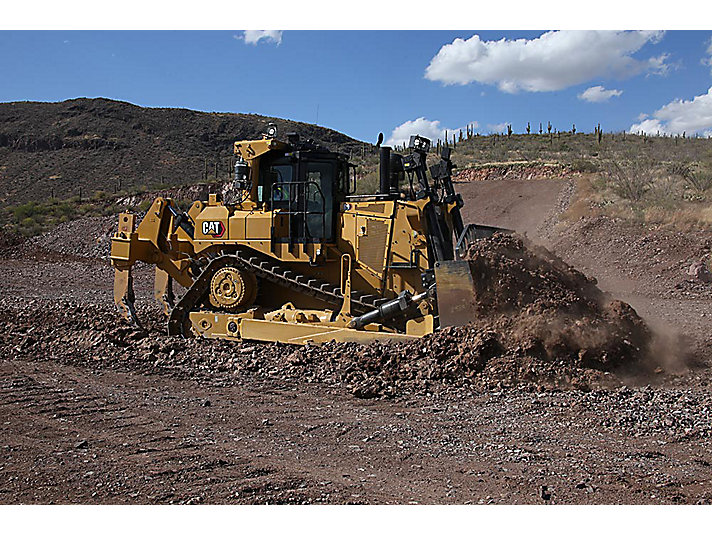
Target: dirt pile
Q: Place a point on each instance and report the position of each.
(87, 237)
(544, 307)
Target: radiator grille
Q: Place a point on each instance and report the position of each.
(375, 208)
(372, 246)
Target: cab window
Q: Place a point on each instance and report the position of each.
(320, 198)
(282, 176)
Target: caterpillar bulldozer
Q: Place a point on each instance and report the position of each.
(290, 253)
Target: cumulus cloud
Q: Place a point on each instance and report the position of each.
(555, 60)
(598, 93)
(253, 37)
(691, 116)
(433, 130)
(498, 128)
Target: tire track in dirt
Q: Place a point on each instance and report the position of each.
(129, 450)
(161, 440)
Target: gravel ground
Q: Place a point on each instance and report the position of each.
(93, 412)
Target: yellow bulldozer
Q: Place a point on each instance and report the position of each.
(290, 253)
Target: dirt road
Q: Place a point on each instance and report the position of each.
(87, 436)
(79, 428)
(525, 206)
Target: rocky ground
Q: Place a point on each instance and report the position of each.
(94, 412)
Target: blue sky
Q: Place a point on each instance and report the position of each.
(363, 82)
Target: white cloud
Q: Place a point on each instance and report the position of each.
(708, 60)
(690, 116)
(555, 60)
(658, 65)
(253, 37)
(498, 128)
(598, 93)
(425, 128)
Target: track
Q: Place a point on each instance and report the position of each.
(265, 269)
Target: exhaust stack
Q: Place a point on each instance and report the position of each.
(385, 170)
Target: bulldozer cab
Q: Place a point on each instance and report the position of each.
(306, 187)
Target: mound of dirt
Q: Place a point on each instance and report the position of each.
(546, 308)
(88, 237)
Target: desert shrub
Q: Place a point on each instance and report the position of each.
(632, 179)
(368, 184)
(24, 211)
(100, 195)
(584, 165)
(697, 179)
(700, 181)
(665, 190)
(680, 168)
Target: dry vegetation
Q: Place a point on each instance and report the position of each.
(648, 179)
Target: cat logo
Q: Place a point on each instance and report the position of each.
(213, 228)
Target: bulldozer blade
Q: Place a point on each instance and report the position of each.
(124, 296)
(163, 290)
(456, 292)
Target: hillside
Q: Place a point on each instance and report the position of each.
(104, 145)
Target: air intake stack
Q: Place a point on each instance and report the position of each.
(385, 170)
